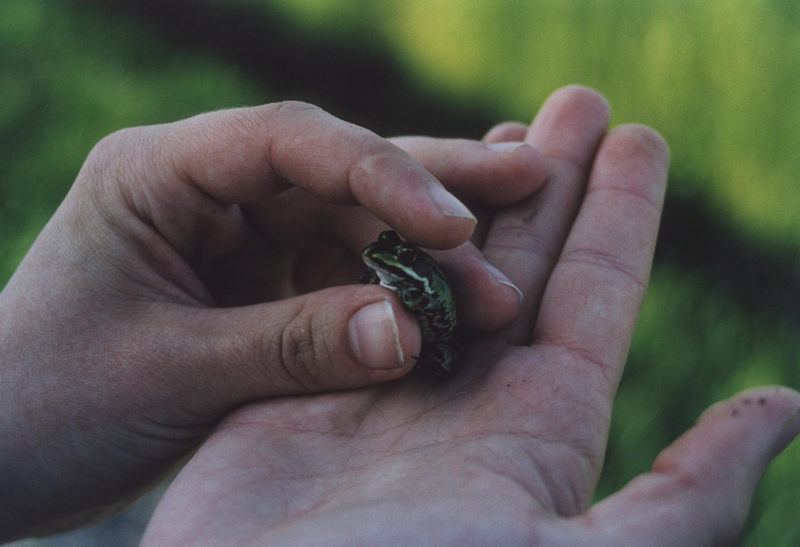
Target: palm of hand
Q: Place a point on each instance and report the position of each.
(519, 432)
(455, 460)
(514, 443)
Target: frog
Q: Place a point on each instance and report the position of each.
(417, 278)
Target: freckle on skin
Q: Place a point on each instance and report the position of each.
(735, 412)
(762, 400)
(747, 400)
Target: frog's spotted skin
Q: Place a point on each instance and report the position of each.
(423, 288)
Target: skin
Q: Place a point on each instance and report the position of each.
(198, 266)
(508, 452)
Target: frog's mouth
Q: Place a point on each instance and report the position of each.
(386, 277)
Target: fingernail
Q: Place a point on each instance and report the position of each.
(448, 204)
(506, 147)
(374, 337)
(503, 279)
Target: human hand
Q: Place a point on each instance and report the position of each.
(195, 267)
(509, 451)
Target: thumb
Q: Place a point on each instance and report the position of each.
(699, 490)
(336, 338)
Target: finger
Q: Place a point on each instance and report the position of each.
(337, 338)
(506, 132)
(486, 299)
(245, 156)
(327, 252)
(595, 291)
(700, 488)
(525, 240)
(496, 173)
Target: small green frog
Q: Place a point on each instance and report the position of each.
(416, 277)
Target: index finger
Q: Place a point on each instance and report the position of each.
(247, 155)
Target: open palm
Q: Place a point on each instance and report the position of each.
(509, 451)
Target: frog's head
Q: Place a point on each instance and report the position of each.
(396, 261)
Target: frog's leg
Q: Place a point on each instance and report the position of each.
(370, 276)
(439, 358)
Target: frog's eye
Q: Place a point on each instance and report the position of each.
(406, 256)
(389, 236)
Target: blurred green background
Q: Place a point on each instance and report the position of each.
(720, 80)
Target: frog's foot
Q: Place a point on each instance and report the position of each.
(439, 359)
(369, 277)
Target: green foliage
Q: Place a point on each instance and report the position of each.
(70, 77)
(718, 79)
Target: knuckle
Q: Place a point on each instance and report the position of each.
(605, 261)
(519, 238)
(367, 165)
(269, 113)
(113, 164)
(110, 149)
(301, 354)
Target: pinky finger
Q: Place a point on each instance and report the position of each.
(700, 487)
